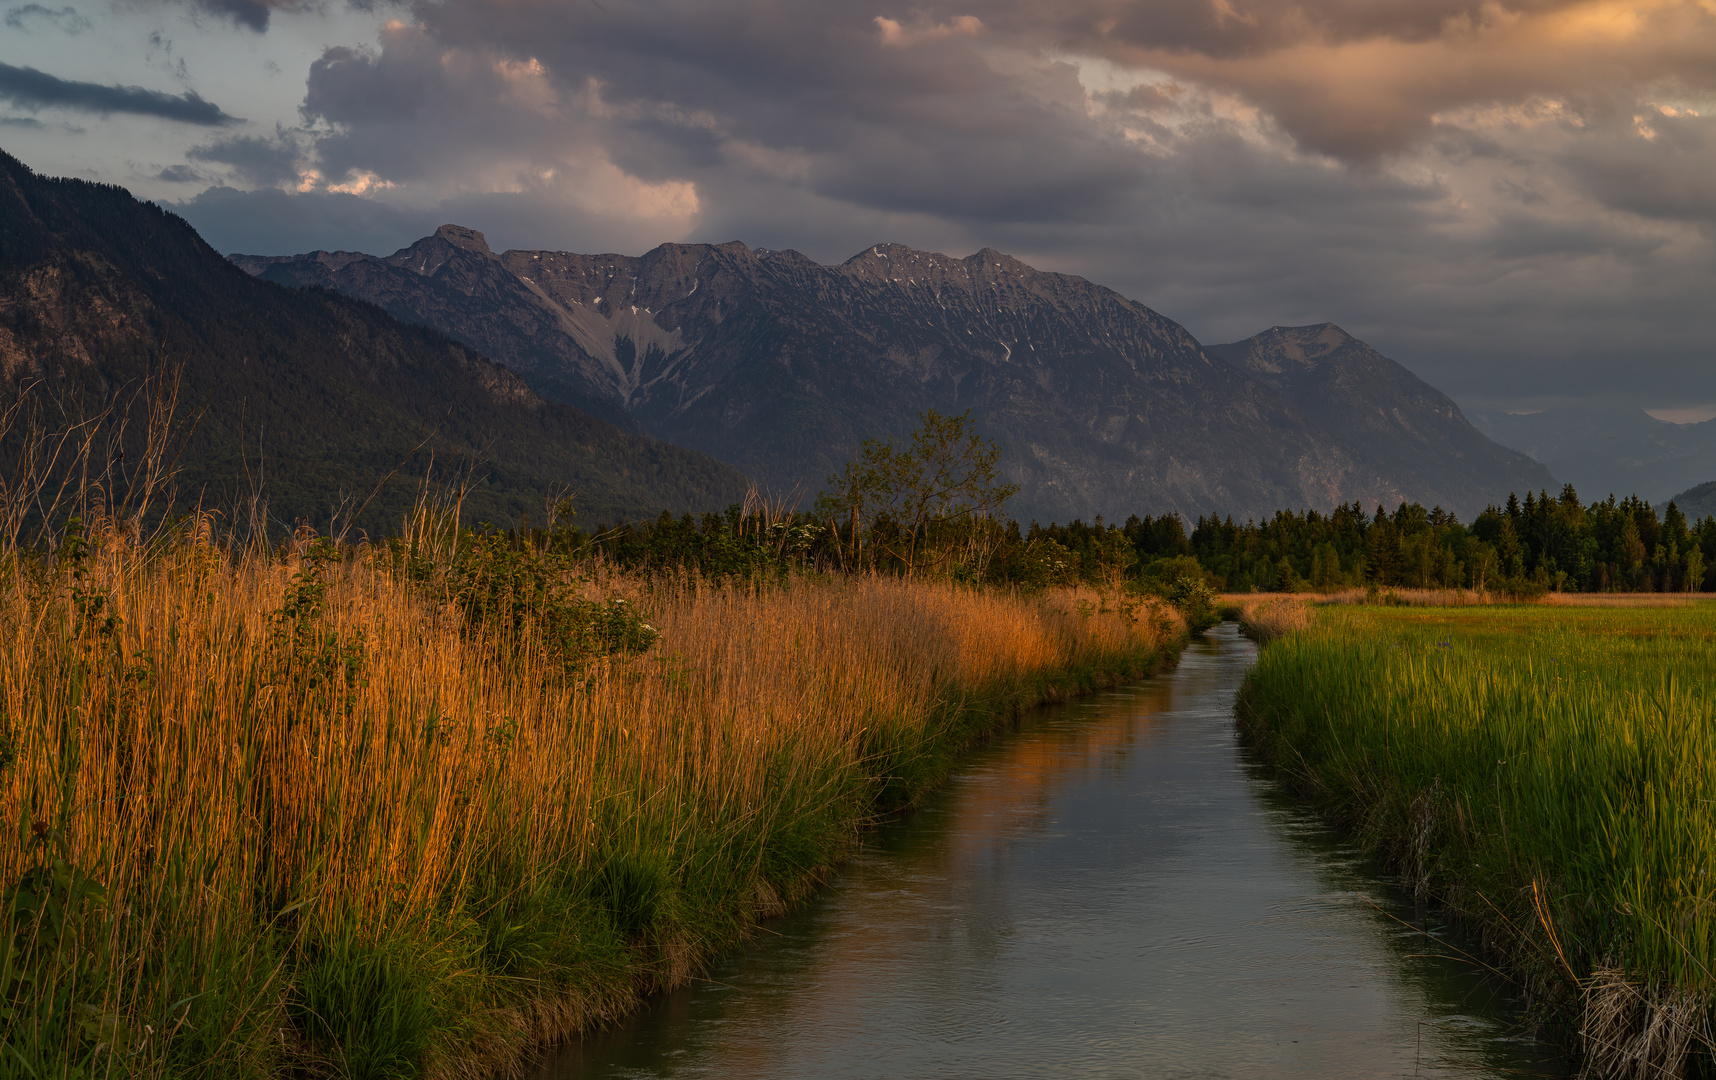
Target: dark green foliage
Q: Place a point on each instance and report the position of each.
(1196, 601)
(795, 848)
(1521, 550)
(315, 661)
(944, 481)
(367, 1007)
(632, 886)
(520, 586)
(50, 954)
(1548, 543)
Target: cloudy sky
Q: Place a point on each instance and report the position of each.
(1517, 199)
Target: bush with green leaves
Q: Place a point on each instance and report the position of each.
(513, 589)
(1196, 601)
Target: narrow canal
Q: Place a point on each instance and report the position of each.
(1112, 891)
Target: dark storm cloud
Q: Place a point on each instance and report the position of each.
(256, 222)
(35, 89)
(258, 14)
(1667, 176)
(66, 19)
(252, 14)
(685, 88)
(1512, 197)
(256, 160)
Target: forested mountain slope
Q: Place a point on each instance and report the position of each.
(311, 397)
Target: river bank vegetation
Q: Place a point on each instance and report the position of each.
(412, 808)
(1547, 772)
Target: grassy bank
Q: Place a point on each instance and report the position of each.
(374, 813)
(1550, 773)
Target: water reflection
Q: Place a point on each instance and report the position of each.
(1110, 891)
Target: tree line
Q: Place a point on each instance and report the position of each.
(935, 507)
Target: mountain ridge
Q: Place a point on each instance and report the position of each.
(781, 366)
(346, 399)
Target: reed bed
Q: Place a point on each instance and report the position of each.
(1618, 599)
(1263, 619)
(1550, 773)
(264, 815)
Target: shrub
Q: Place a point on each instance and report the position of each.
(1195, 601)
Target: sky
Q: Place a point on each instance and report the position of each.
(1515, 199)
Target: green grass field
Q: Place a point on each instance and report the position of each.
(1548, 772)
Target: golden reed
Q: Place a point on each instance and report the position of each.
(247, 783)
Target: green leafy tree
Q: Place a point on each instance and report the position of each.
(944, 484)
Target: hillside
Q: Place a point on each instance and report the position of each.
(312, 396)
(781, 366)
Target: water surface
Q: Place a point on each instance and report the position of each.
(1111, 891)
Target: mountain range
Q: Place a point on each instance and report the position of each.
(1623, 450)
(780, 366)
(318, 403)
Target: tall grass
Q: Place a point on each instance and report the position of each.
(265, 813)
(1549, 772)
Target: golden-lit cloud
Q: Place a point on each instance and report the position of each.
(1362, 81)
(895, 35)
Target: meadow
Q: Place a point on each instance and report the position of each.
(417, 808)
(1546, 771)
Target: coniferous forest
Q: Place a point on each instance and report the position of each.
(1525, 548)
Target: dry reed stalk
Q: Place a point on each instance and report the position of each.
(1265, 620)
(1630, 1032)
(242, 780)
(1407, 597)
(1564, 599)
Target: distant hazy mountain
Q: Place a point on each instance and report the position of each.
(782, 366)
(1623, 451)
(1698, 502)
(316, 396)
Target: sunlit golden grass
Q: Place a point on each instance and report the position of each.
(1550, 771)
(1564, 599)
(366, 840)
(1266, 618)
(1401, 597)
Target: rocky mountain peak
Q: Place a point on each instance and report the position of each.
(783, 367)
(998, 260)
(453, 253)
(468, 239)
(879, 261)
(1281, 349)
(785, 257)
